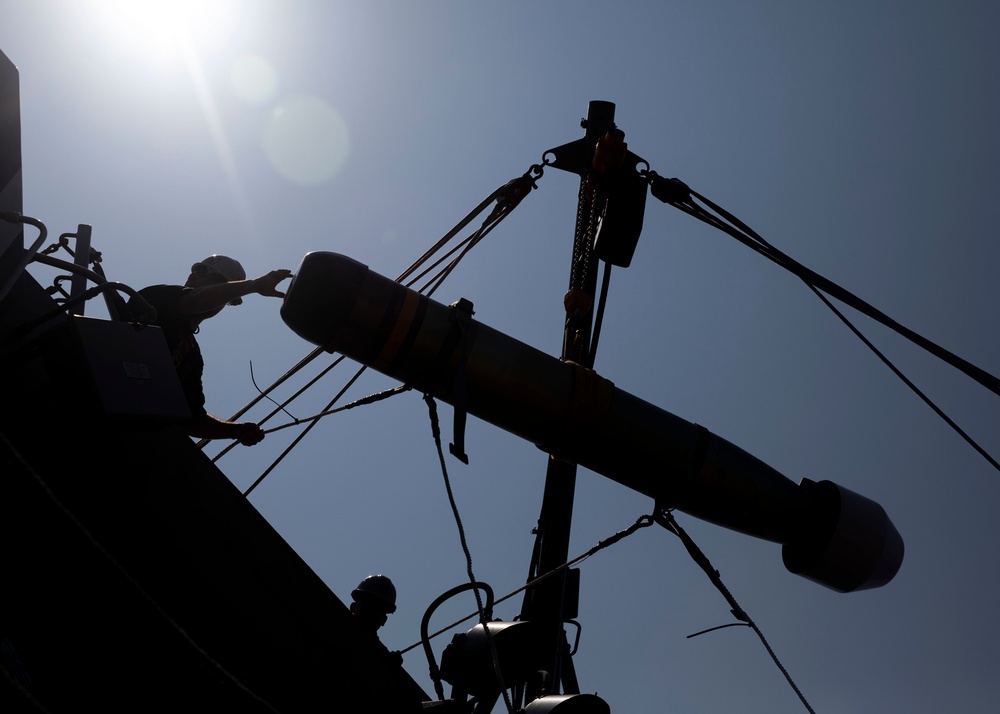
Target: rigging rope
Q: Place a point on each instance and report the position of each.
(280, 407)
(916, 390)
(641, 522)
(666, 519)
(302, 363)
(305, 431)
(507, 197)
(436, 432)
(370, 399)
(676, 193)
(599, 316)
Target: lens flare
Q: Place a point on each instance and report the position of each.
(253, 78)
(306, 140)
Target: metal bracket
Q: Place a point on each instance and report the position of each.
(461, 316)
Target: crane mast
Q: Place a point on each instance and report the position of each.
(828, 533)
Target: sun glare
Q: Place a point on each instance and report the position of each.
(162, 30)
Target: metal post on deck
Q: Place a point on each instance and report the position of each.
(545, 603)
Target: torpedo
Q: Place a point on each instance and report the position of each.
(829, 534)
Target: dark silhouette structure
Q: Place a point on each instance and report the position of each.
(136, 577)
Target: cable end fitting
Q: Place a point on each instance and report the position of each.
(670, 190)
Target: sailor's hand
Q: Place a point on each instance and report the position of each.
(247, 433)
(267, 284)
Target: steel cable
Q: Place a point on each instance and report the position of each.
(677, 194)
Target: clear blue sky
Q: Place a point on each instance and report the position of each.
(858, 137)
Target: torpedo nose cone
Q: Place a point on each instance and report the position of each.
(322, 296)
(845, 541)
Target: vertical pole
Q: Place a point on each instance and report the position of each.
(544, 603)
(78, 283)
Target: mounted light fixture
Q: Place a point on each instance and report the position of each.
(568, 704)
